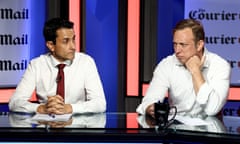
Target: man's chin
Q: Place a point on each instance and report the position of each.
(71, 58)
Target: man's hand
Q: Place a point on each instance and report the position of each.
(57, 124)
(194, 63)
(55, 105)
(150, 110)
(150, 121)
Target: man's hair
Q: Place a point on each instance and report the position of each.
(51, 26)
(196, 26)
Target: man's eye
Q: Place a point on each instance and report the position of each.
(183, 44)
(65, 41)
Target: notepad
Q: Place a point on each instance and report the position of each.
(191, 121)
(47, 117)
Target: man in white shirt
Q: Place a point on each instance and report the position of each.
(196, 80)
(83, 87)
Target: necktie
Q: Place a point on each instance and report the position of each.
(60, 80)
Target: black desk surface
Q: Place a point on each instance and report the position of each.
(116, 127)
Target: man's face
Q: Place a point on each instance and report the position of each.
(65, 46)
(184, 46)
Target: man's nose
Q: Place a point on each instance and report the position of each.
(177, 48)
(73, 45)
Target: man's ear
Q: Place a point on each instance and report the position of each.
(200, 45)
(50, 45)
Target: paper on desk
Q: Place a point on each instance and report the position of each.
(191, 121)
(47, 117)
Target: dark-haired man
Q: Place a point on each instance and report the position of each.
(83, 91)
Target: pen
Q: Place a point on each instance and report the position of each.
(52, 115)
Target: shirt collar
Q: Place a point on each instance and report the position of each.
(55, 62)
(206, 62)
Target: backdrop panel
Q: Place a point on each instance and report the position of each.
(221, 20)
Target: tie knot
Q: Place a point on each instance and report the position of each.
(61, 66)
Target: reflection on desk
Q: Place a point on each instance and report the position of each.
(232, 124)
(93, 120)
(112, 128)
(212, 124)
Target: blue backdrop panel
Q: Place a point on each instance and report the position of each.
(169, 13)
(102, 44)
(38, 16)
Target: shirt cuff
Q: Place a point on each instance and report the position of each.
(32, 107)
(76, 109)
(142, 108)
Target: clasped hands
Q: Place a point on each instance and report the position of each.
(55, 105)
(56, 124)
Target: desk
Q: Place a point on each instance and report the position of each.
(116, 127)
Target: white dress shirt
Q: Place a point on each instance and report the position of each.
(83, 86)
(171, 77)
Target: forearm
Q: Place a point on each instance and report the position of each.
(22, 106)
(212, 99)
(198, 80)
(91, 106)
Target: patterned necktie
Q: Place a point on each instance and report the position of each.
(60, 80)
